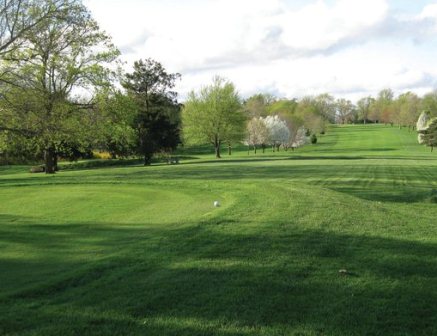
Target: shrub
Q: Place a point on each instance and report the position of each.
(313, 139)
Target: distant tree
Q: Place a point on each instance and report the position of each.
(422, 125)
(214, 115)
(363, 107)
(279, 134)
(257, 133)
(408, 108)
(309, 110)
(257, 105)
(381, 107)
(282, 107)
(157, 122)
(429, 134)
(345, 111)
(300, 138)
(325, 104)
(294, 123)
(429, 103)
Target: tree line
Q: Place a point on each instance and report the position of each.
(64, 94)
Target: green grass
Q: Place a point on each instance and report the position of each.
(133, 250)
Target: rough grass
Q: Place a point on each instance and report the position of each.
(142, 251)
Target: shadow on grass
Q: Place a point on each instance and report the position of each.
(213, 279)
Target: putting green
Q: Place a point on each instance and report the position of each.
(118, 204)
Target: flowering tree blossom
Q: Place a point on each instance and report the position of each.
(300, 138)
(422, 125)
(427, 129)
(279, 134)
(257, 133)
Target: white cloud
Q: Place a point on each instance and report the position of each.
(343, 47)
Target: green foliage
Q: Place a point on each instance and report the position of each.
(313, 139)
(282, 107)
(325, 104)
(214, 115)
(22, 18)
(346, 112)
(257, 105)
(157, 120)
(429, 103)
(65, 52)
(363, 108)
(429, 134)
(117, 133)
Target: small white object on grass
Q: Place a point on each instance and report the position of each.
(216, 204)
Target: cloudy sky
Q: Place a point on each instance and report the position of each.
(289, 48)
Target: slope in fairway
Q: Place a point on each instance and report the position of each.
(142, 251)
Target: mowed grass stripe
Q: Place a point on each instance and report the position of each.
(142, 251)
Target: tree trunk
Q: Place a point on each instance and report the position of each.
(217, 151)
(49, 158)
(217, 148)
(229, 149)
(147, 159)
(55, 162)
(254, 147)
(264, 148)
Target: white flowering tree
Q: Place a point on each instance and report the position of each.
(427, 129)
(257, 133)
(422, 125)
(300, 138)
(279, 134)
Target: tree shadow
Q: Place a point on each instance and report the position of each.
(211, 279)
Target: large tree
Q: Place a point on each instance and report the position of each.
(66, 55)
(214, 115)
(157, 121)
(21, 18)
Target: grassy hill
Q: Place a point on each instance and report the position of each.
(134, 250)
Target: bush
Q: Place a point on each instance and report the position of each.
(313, 139)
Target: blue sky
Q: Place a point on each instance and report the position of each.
(349, 48)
